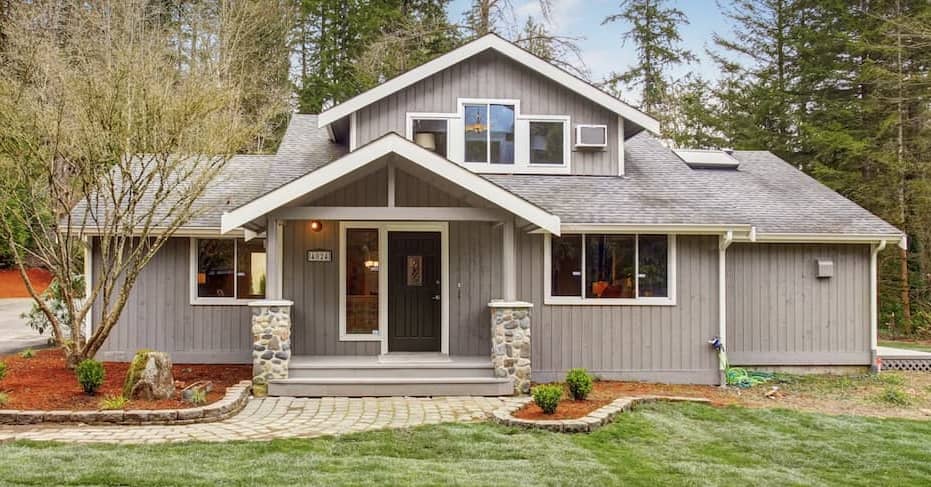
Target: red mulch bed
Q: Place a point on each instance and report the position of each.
(606, 391)
(12, 285)
(44, 383)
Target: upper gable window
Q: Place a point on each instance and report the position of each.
(547, 142)
(431, 134)
(489, 133)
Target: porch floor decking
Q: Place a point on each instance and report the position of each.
(393, 374)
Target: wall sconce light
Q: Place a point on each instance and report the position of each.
(316, 226)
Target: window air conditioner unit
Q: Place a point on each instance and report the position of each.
(591, 136)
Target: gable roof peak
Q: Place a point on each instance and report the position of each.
(506, 48)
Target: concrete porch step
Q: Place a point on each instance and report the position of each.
(390, 386)
(393, 368)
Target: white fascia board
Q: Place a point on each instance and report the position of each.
(852, 238)
(391, 143)
(507, 49)
(180, 232)
(673, 228)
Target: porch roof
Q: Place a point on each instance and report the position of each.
(251, 213)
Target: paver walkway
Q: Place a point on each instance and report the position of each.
(282, 417)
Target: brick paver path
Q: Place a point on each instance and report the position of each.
(281, 417)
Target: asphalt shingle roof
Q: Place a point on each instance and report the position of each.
(659, 188)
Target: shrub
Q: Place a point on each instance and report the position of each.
(2, 370)
(198, 396)
(27, 353)
(4, 398)
(580, 383)
(55, 300)
(547, 396)
(90, 375)
(113, 402)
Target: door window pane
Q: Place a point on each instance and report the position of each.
(502, 134)
(476, 133)
(654, 266)
(609, 266)
(431, 135)
(566, 265)
(215, 273)
(546, 142)
(250, 269)
(362, 268)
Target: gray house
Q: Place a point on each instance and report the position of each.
(487, 219)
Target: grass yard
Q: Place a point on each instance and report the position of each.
(658, 444)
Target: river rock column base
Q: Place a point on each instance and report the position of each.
(510, 342)
(271, 343)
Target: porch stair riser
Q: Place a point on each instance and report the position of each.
(393, 371)
(412, 386)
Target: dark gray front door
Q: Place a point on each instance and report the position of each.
(414, 292)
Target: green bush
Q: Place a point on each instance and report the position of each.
(198, 396)
(110, 403)
(4, 398)
(27, 353)
(580, 383)
(547, 396)
(894, 396)
(90, 375)
(2, 370)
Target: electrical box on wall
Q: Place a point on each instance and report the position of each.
(825, 268)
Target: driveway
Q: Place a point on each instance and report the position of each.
(14, 334)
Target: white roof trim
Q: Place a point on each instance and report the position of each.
(391, 143)
(505, 48)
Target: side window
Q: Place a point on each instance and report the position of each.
(547, 142)
(230, 269)
(431, 134)
(489, 133)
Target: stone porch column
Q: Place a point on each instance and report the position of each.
(271, 343)
(510, 342)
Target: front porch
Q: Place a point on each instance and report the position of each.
(395, 275)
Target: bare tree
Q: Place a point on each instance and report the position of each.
(115, 118)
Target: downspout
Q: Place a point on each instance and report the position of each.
(874, 305)
(725, 241)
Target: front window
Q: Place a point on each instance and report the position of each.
(431, 134)
(230, 269)
(362, 269)
(547, 142)
(609, 266)
(489, 133)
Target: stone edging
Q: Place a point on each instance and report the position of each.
(235, 399)
(589, 422)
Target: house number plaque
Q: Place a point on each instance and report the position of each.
(319, 255)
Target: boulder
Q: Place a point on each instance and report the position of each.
(149, 377)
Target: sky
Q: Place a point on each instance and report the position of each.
(601, 44)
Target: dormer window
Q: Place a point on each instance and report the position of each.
(431, 134)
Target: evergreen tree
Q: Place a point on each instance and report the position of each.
(655, 34)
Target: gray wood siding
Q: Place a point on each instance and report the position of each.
(490, 75)
(653, 343)
(370, 190)
(414, 191)
(159, 316)
(780, 313)
(474, 262)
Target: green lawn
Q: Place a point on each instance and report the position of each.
(922, 347)
(660, 444)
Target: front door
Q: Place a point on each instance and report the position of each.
(414, 297)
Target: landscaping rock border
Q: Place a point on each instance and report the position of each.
(587, 423)
(235, 399)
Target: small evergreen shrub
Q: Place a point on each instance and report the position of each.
(110, 403)
(198, 397)
(580, 384)
(90, 375)
(547, 396)
(27, 353)
(2, 370)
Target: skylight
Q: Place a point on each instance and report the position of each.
(707, 159)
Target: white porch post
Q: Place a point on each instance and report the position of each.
(273, 258)
(508, 262)
(875, 249)
(725, 241)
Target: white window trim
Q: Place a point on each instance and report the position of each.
(578, 136)
(548, 298)
(447, 117)
(383, 229)
(234, 301)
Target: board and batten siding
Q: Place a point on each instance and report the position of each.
(649, 343)
(490, 75)
(780, 313)
(159, 316)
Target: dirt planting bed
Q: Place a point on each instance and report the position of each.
(12, 285)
